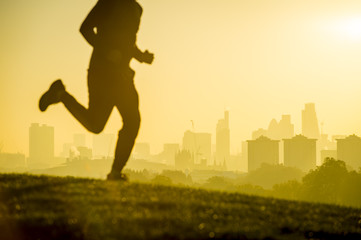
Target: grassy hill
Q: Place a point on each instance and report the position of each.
(42, 207)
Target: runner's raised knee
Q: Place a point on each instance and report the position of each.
(96, 128)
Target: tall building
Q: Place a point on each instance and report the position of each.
(41, 145)
(300, 152)
(285, 127)
(169, 152)
(104, 145)
(309, 122)
(258, 133)
(282, 129)
(199, 145)
(262, 150)
(276, 130)
(349, 151)
(223, 140)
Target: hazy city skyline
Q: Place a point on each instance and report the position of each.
(202, 144)
(267, 59)
(277, 130)
(243, 126)
(276, 145)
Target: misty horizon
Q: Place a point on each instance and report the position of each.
(300, 54)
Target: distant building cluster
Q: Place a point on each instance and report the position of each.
(197, 151)
(277, 144)
(276, 130)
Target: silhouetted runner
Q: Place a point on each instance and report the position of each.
(111, 28)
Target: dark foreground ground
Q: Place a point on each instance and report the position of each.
(41, 207)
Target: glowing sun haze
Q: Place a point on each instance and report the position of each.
(260, 59)
(351, 27)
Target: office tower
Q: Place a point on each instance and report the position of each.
(273, 130)
(258, 133)
(142, 150)
(309, 122)
(169, 152)
(349, 151)
(223, 140)
(198, 144)
(104, 145)
(41, 144)
(262, 150)
(79, 140)
(276, 130)
(285, 127)
(300, 152)
(282, 129)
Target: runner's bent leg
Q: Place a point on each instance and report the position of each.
(96, 115)
(94, 118)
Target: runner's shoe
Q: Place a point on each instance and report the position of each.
(52, 95)
(115, 176)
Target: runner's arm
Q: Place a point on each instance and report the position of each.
(87, 28)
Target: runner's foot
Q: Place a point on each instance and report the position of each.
(52, 95)
(115, 176)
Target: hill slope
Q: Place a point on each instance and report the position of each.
(42, 207)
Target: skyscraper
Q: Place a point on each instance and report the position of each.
(169, 152)
(41, 145)
(309, 122)
(286, 128)
(198, 144)
(223, 139)
(276, 130)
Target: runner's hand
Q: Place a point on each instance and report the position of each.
(148, 57)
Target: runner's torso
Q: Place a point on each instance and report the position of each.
(116, 32)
